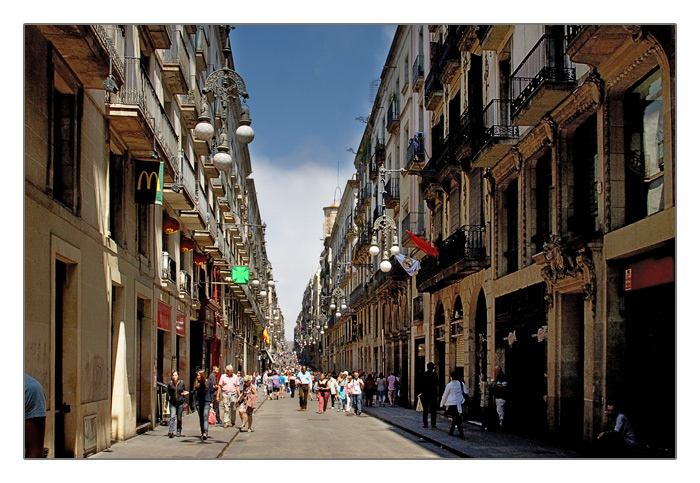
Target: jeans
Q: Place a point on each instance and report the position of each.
(228, 407)
(175, 413)
(357, 403)
(341, 403)
(203, 417)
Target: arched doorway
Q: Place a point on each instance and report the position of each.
(478, 369)
(439, 336)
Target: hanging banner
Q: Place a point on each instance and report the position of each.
(180, 319)
(164, 314)
(409, 264)
(149, 182)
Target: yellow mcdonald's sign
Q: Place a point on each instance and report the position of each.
(149, 178)
(149, 182)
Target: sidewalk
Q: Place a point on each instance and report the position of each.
(155, 444)
(476, 443)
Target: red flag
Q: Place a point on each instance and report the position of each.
(423, 245)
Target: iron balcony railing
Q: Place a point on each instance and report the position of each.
(185, 282)
(187, 178)
(138, 91)
(112, 38)
(168, 268)
(392, 117)
(418, 69)
(432, 83)
(414, 222)
(449, 50)
(546, 62)
(391, 188)
(177, 53)
(497, 121)
(416, 151)
(572, 31)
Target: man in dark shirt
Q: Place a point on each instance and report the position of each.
(429, 395)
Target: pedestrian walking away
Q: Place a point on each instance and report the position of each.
(304, 379)
(369, 389)
(249, 401)
(229, 392)
(381, 390)
(430, 388)
(177, 403)
(202, 401)
(391, 387)
(499, 386)
(276, 384)
(452, 399)
(34, 418)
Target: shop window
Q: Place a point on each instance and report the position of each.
(644, 148)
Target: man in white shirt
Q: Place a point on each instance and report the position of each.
(304, 380)
(356, 386)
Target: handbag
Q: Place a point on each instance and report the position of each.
(212, 417)
(419, 406)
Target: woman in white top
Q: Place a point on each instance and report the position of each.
(452, 398)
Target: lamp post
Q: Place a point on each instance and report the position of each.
(225, 84)
(384, 232)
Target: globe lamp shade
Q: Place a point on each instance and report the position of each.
(204, 131)
(385, 266)
(170, 225)
(222, 161)
(186, 245)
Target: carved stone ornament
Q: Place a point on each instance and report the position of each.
(562, 262)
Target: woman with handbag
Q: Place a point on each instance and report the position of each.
(177, 402)
(453, 399)
(248, 401)
(202, 401)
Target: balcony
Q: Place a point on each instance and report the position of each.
(379, 153)
(463, 139)
(180, 195)
(541, 81)
(498, 134)
(176, 65)
(210, 170)
(392, 195)
(185, 284)
(491, 37)
(467, 36)
(418, 308)
(362, 244)
(137, 115)
(593, 44)
(218, 186)
(393, 115)
(365, 195)
(415, 223)
(433, 90)
(201, 49)
(444, 164)
(450, 56)
(418, 73)
(187, 103)
(196, 218)
(415, 154)
(462, 253)
(382, 281)
(88, 51)
(156, 35)
(201, 147)
(168, 273)
(357, 297)
(431, 189)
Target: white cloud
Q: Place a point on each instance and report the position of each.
(291, 201)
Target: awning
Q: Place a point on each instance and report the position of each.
(269, 356)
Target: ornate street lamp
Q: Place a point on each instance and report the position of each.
(225, 84)
(384, 231)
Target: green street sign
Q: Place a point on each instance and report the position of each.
(240, 274)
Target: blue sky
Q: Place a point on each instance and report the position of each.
(307, 85)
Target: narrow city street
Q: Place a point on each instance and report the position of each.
(281, 431)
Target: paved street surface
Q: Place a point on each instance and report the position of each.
(282, 432)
